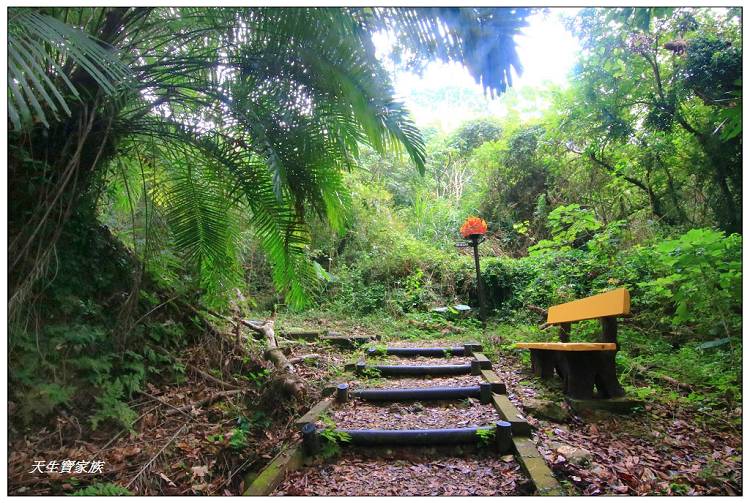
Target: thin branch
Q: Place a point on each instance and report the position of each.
(302, 358)
(150, 461)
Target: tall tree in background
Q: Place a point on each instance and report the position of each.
(654, 106)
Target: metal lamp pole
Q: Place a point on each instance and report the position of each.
(475, 240)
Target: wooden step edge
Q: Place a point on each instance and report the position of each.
(431, 352)
(535, 467)
(518, 424)
(315, 412)
(568, 346)
(471, 347)
(484, 362)
(498, 386)
(289, 459)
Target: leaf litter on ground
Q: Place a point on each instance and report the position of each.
(664, 449)
(358, 414)
(361, 474)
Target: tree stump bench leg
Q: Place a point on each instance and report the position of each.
(561, 365)
(543, 363)
(606, 376)
(583, 370)
(579, 373)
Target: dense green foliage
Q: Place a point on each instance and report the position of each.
(201, 138)
(611, 186)
(85, 350)
(263, 149)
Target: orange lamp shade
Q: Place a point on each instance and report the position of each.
(473, 225)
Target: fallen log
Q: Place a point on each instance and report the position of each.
(289, 382)
(538, 310)
(302, 358)
(541, 312)
(646, 372)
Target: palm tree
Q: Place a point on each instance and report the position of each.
(211, 117)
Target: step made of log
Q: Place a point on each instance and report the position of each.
(433, 393)
(303, 334)
(508, 435)
(435, 352)
(500, 432)
(419, 370)
(346, 341)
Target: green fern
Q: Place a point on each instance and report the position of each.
(332, 440)
(485, 436)
(112, 407)
(103, 489)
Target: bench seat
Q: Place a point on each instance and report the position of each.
(569, 346)
(583, 365)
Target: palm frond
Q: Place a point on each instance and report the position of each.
(206, 188)
(253, 113)
(479, 37)
(38, 48)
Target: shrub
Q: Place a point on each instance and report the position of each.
(701, 280)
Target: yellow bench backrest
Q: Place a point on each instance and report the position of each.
(613, 303)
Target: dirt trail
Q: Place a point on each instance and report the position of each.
(357, 414)
(664, 449)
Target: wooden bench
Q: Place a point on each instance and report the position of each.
(583, 365)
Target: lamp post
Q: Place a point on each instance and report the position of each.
(473, 230)
(475, 240)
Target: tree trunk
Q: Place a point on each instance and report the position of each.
(288, 380)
